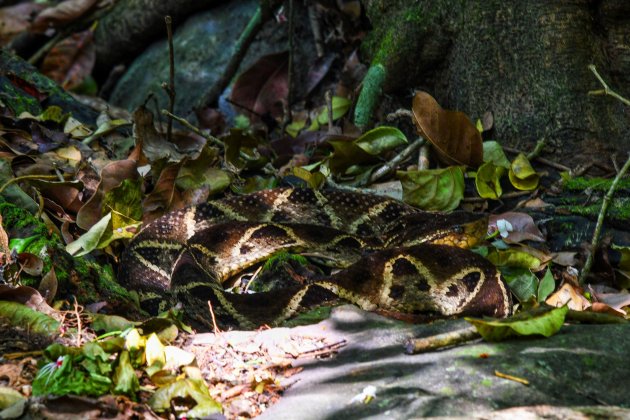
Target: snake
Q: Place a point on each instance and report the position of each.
(383, 255)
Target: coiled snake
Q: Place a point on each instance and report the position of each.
(392, 257)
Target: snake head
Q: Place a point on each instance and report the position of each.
(460, 229)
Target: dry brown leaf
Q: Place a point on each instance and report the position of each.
(29, 297)
(565, 258)
(70, 61)
(5, 251)
(603, 308)
(454, 137)
(61, 14)
(30, 263)
(112, 175)
(164, 196)
(48, 286)
(15, 19)
(568, 295)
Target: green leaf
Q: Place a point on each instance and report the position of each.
(488, 180)
(346, 154)
(200, 173)
(381, 139)
(544, 320)
(19, 245)
(69, 378)
(12, 403)
(106, 127)
(522, 175)
(125, 199)
(493, 152)
(433, 189)
(108, 323)
(13, 193)
(340, 107)
(546, 286)
(195, 389)
(125, 379)
(90, 240)
(29, 319)
(513, 258)
(523, 283)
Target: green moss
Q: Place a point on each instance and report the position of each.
(81, 277)
(619, 208)
(596, 184)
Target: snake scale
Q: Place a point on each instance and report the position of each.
(390, 257)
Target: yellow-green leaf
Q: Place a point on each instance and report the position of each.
(195, 389)
(493, 152)
(513, 258)
(488, 180)
(433, 189)
(522, 175)
(543, 320)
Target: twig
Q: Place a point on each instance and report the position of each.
(512, 194)
(214, 321)
(26, 177)
(540, 145)
(39, 54)
(600, 221)
(421, 345)
(194, 129)
(511, 377)
(329, 108)
(423, 157)
(399, 114)
(606, 91)
(539, 159)
(170, 89)
(78, 316)
(325, 349)
(206, 136)
(287, 116)
(317, 32)
(240, 49)
(393, 163)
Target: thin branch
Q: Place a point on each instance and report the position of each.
(315, 28)
(203, 134)
(421, 345)
(170, 90)
(395, 161)
(27, 177)
(600, 221)
(290, 93)
(329, 109)
(606, 91)
(240, 49)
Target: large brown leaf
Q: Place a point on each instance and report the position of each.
(71, 60)
(455, 138)
(61, 14)
(264, 86)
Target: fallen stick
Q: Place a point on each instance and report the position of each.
(425, 344)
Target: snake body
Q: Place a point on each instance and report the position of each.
(391, 258)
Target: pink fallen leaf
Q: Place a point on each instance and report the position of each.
(523, 227)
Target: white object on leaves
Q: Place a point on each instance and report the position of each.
(504, 227)
(365, 396)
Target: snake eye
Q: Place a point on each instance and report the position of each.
(458, 229)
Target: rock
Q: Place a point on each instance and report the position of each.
(583, 365)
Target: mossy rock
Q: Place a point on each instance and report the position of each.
(82, 278)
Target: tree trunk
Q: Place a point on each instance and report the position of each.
(524, 61)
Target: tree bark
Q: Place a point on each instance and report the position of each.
(524, 61)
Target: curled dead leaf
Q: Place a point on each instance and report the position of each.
(454, 137)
